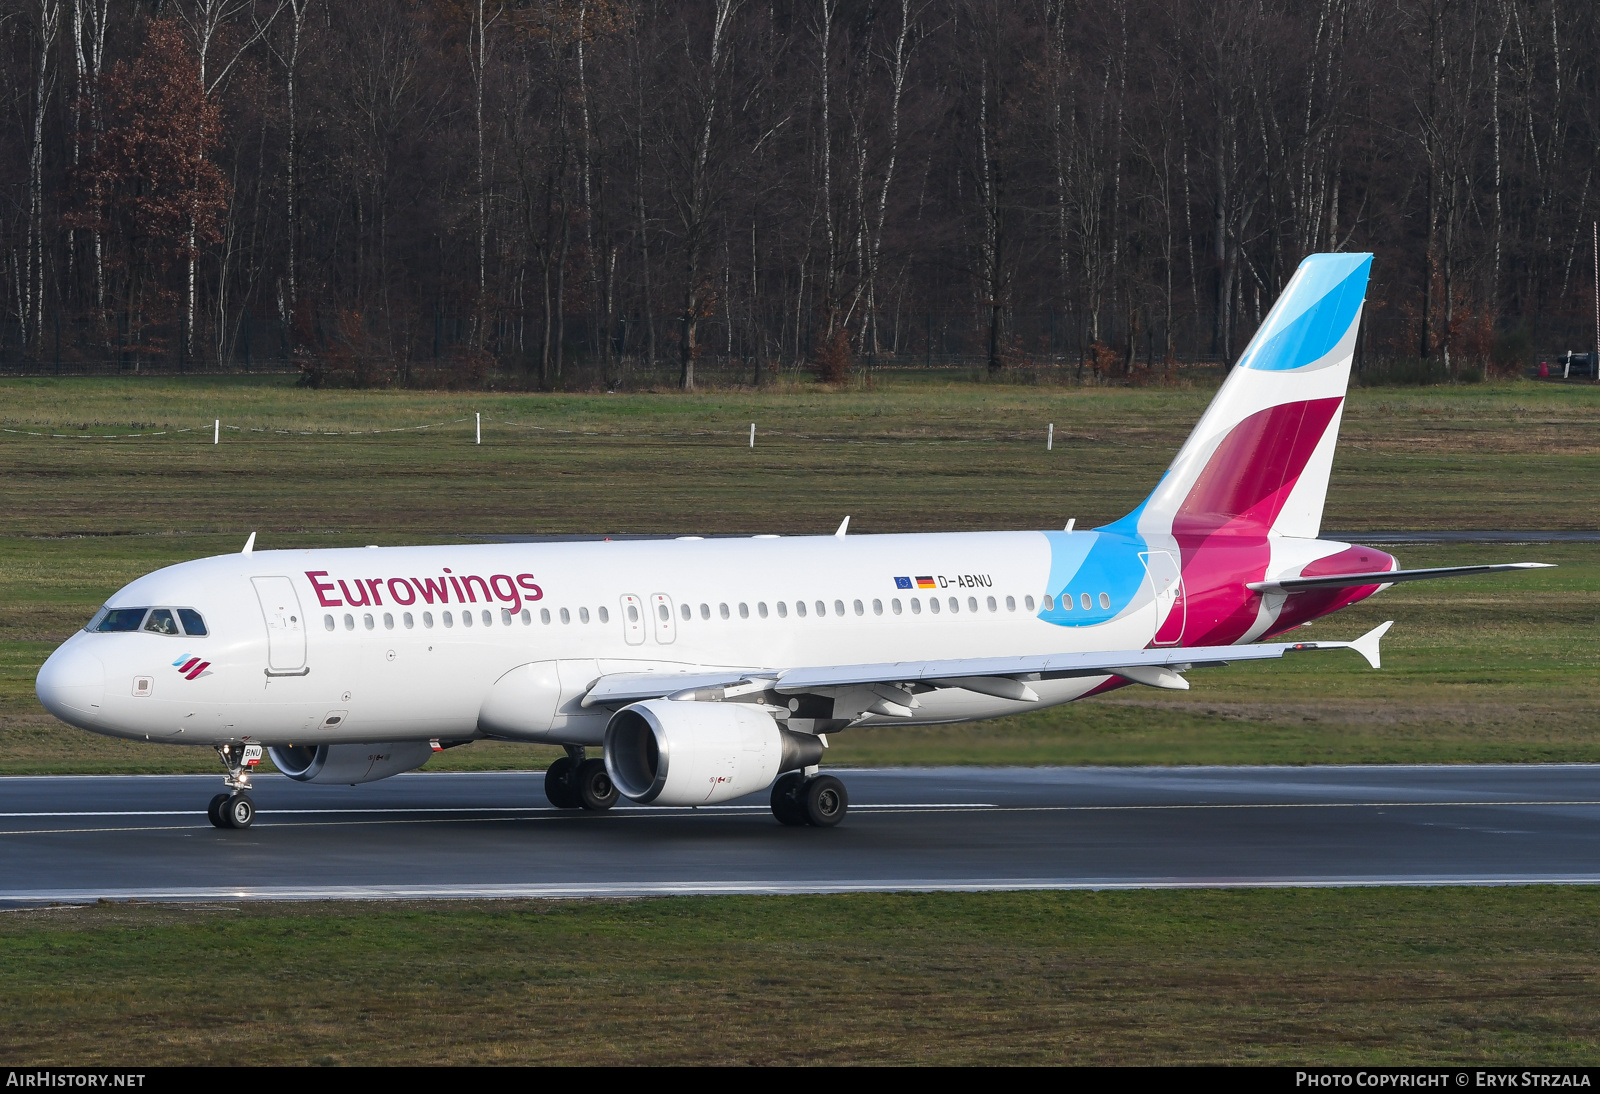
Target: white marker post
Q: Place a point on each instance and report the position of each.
(479, 416)
(1050, 438)
(216, 431)
(752, 434)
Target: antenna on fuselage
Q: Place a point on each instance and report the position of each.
(1071, 522)
(842, 526)
(249, 544)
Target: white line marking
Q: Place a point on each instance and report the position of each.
(685, 810)
(485, 809)
(574, 890)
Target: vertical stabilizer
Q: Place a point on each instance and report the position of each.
(1258, 462)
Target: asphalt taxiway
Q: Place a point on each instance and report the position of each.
(81, 838)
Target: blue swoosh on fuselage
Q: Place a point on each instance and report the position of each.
(1092, 563)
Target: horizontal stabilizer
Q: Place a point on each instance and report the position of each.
(1385, 577)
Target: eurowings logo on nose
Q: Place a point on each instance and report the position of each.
(192, 668)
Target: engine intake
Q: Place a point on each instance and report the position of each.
(688, 753)
(349, 764)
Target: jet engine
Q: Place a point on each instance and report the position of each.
(690, 753)
(349, 763)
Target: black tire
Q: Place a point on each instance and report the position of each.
(214, 811)
(786, 804)
(559, 784)
(238, 811)
(825, 801)
(596, 791)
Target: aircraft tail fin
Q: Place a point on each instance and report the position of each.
(1258, 461)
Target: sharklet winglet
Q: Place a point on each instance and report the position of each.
(1367, 644)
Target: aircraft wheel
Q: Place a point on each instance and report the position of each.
(214, 811)
(238, 811)
(596, 791)
(558, 784)
(825, 801)
(786, 804)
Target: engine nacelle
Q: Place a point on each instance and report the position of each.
(349, 763)
(688, 753)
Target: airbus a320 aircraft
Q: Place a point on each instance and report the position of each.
(707, 669)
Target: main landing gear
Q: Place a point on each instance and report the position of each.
(235, 809)
(573, 781)
(805, 797)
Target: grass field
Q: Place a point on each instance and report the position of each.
(1492, 669)
(1340, 976)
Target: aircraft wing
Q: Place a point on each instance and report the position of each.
(1006, 677)
(1384, 577)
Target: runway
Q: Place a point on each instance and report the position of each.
(82, 838)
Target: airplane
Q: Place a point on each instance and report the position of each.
(706, 669)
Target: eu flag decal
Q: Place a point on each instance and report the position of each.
(902, 583)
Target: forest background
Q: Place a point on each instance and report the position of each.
(582, 193)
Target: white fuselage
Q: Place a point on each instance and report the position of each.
(388, 655)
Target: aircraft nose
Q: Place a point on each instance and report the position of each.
(72, 685)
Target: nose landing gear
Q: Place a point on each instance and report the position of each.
(236, 809)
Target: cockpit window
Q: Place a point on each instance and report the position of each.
(161, 622)
(120, 619)
(192, 623)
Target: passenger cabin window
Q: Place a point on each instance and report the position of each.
(367, 621)
(859, 609)
(527, 616)
(448, 619)
(505, 616)
(1028, 601)
(350, 622)
(388, 621)
(722, 610)
(799, 608)
(1105, 601)
(761, 607)
(583, 615)
(933, 604)
(488, 618)
(916, 606)
(895, 604)
(877, 607)
(466, 618)
(972, 603)
(327, 621)
(161, 622)
(705, 611)
(605, 616)
(685, 611)
(566, 616)
(1011, 603)
(783, 610)
(993, 607)
(427, 620)
(1084, 600)
(408, 620)
(1049, 604)
(1066, 602)
(192, 623)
